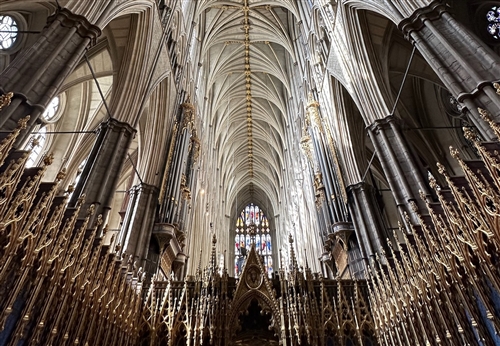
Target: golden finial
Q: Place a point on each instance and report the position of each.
(48, 159)
(414, 206)
(432, 182)
(70, 188)
(99, 219)
(441, 168)
(61, 175)
(469, 134)
(81, 200)
(407, 217)
(497, 88)
(454, 152)
(422, 195)
(391, 247)
(22, 123)
(486, 116)
(91, 209)
(5, 100)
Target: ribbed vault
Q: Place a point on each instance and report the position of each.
(245, 52)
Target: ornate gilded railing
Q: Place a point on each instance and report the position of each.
(442, 285)
(301, 308)
(59, 284)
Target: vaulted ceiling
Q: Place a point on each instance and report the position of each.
(246, 54)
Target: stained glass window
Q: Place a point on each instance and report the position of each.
(252, 228)
(8, 32)
(39, 140)
(51, 110)
(493, 17)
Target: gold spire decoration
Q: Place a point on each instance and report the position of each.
(437, 288)
(57, 285)
(248, 86)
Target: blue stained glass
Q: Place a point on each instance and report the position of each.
(493, 16)
(251, 218)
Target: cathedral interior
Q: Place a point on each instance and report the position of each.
(250, 172)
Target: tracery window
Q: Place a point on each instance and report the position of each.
(8, 32)
(493, 17)
(252, 227)
(37, 141)
(51, 110)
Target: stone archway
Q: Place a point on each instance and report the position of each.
(255, 325)
(254, 317)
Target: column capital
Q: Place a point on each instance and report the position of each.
(361, 186)
(415, 22)
(68, 19)
(377, 125)
(117, 126)
(144, 188)
(380, 124)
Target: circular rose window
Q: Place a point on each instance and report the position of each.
(8, 32)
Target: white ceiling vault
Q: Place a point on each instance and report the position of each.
(246, 54)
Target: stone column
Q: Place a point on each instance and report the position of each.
(137, 227)
(36, 74)
(465, 64)
(367, 219)
(403, 173)
(103, 168)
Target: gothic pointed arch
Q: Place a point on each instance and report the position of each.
(254, 284)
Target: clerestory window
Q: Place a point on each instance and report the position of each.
(9, 30)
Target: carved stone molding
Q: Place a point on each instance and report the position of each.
(83, 27)
(416, 21)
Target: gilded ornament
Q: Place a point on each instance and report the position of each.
(5, 100)
(486, 116)
(497, 88)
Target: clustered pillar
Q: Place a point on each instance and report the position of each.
(35, 77)
(103, 167)
(138, 222)
(403, 173)
(465, 64)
